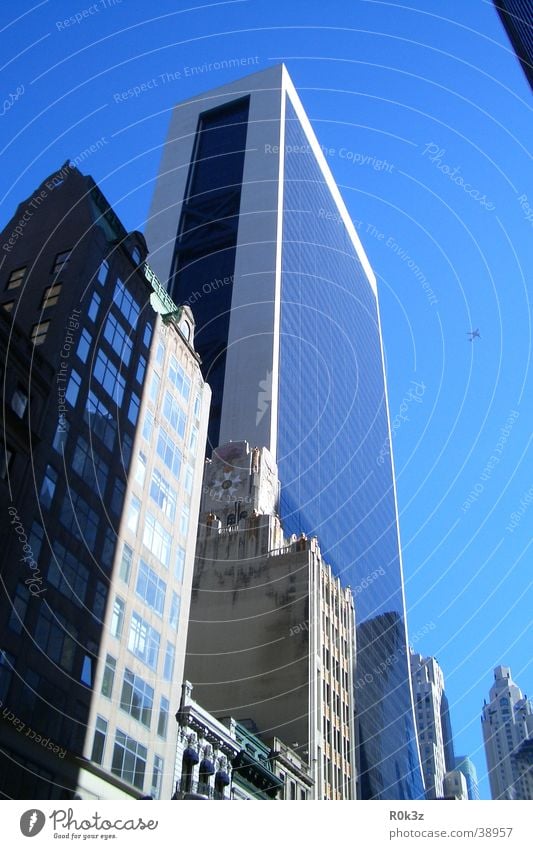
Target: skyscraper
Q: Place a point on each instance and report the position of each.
(106, 412)
(431, 708)
(507, 723)
(466, 766)
(249, 228)
(517, 18)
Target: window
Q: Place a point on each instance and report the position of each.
(174, 414)
(151, 588)
(39, 331)
(129, 760)
(68, 575)
(7, 662)
(36, 540)
(143, 641)
(89, 465)
(84, 345)
(184, 519)
(55, 637)
(86, 676)
(125, 563)
(160, 353)
(61, 436)
(137, 698)
(154, 387)
(136, 255)
(108, 678)
(73, 388)
(108, 547)
(141, 368)
(133, 409)
(60, 262)
(19, 402)
(163, 495)
(15, 278)
(125, 302)
(180, 563)
(51, 295)
(147, 336)
(148, 425)
(117, 496)
(108, 376)
(157, 776)
(48, 487)
(8, 306)
(133, 514)
(79, 518)
(100, 735)
(103, 272)
(99, 601)
(119, 338)
(117, 617)
(179, 378)
(168, 667)
(162, 721)
(193, 439)
(197, 406)
(169, 452)
(94, 306)
(127, 450)
(6, 460)
(189, 477)
(19, 609)
(175, 610)
(140, 469)
(157, 539)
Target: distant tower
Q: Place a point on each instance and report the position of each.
(466, 766)
(507, 722)
(433, 725)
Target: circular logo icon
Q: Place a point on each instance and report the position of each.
(32, 822)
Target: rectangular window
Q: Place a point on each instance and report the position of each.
(129, 760)
(117, 617)
(100, 420)
(143, 641)
(117, 496)
(163, 495)
(140, 469)
(162, 721)
(19, 609)
(126, 563)
(197, 406)
(133, 514)
(108, 547)
(157, 539)
(19, 402)
(141, 369)
(189, 477)
(103, 271)
(48, 486)
(193, 439)
(15, 278)
(90, 466)
(154, 387)
(148, 425)
(127, 450)
(109, 676)
(61, 436)
(147, 335)
(107, 374)
(73, 388)
(175, 610)
(137, 698)
(36, 540)
(179, 378)
(180, 563)
(99, 601)
(78, 518)
(39, 331)
(51, 296)
(126, 303)
(133, 409)
(119, 338)
(94, 306)
(68, 574)
(84, 345)
(160, 353)
(174, 414)
(56, 638)
(184, 519)
(100, 734)
(168, 667)
(151, 588)
(61, 261)
(157, 777)
(169, 452)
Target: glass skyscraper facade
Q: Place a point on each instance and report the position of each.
(298, 328)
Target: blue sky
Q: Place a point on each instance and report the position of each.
(427, 115)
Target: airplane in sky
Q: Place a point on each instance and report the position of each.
(474, 334)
